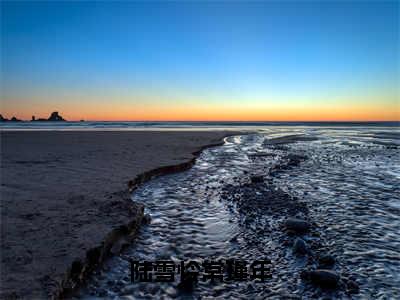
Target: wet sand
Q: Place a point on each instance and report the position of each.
(65, 199)
(321, 207)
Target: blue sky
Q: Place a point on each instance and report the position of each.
(215, 54)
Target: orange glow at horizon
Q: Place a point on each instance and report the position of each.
(350, 112)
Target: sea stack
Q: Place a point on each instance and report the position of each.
(55, 117)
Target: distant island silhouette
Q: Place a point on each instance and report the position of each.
(54, 117)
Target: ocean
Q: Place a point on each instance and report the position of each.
(120, 125)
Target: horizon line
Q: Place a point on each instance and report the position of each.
(219, 121)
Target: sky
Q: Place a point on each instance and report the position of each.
(209, 61)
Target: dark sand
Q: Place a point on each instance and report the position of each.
(62, 193)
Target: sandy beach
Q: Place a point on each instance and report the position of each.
(65, 199)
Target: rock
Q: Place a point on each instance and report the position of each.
(300, 246)
(110, 282)
(146, 219)
(326, 260)
(55, 117)
(294, 160)
(101, 293)
(257, 179)
(14, 119)
(352, 287)
(233, 239)
(187, 285)
(322, 277)
(3, 119)
(76, 268)
(305, 274)
(297, 225)
(118, 246)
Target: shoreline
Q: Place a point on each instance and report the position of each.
(128, 231)
(165, 170)
(122, 232)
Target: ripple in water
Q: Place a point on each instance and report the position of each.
(348, 185)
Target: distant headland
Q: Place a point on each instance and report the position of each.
(54, 117)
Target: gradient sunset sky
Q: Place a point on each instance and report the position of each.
(264, 61)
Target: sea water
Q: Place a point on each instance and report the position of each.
(348, 183)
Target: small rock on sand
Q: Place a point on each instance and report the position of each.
(321, 277)
(146, 219)
(297, 225)
(352, 287)
(300, 246)
(326, 260)
(257, 179)
(118, 246)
